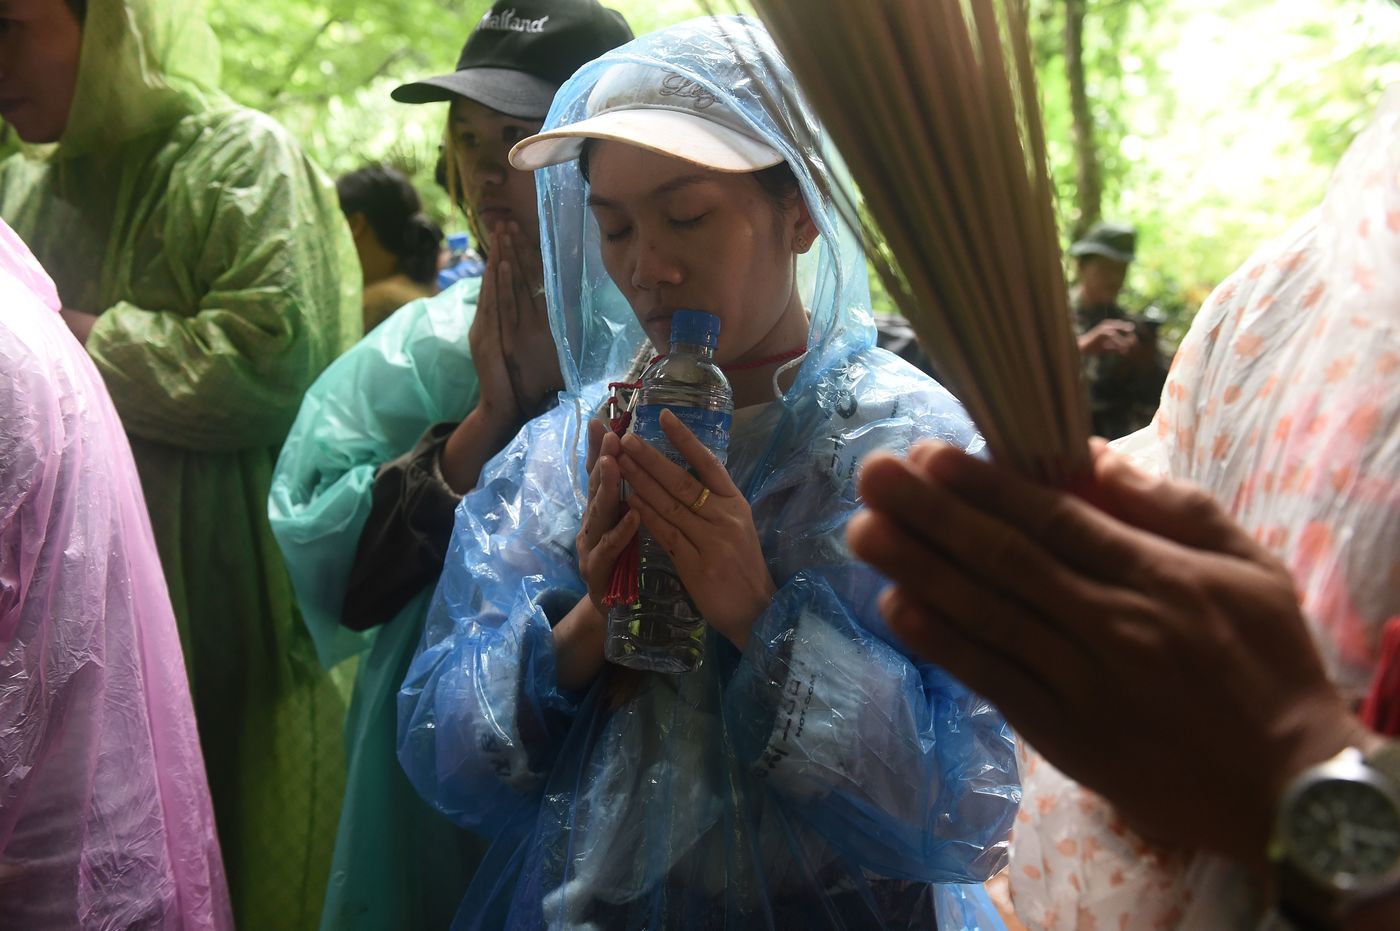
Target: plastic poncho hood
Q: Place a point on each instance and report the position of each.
(595, 329)
(144, 65)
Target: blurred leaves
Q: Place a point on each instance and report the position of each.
(325, 69)
(1215, 125)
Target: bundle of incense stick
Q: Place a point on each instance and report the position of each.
(932, 105)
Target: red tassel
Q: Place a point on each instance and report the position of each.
(625, 585)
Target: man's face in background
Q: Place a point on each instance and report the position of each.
(1100, 279)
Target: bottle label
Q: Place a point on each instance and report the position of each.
(710, 427)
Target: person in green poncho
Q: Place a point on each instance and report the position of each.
(394, 433)
(204, 260)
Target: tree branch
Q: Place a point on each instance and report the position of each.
(307, 48)
(1089, 189)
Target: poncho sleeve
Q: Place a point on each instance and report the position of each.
(889, 758)
(481, 716)
(30, 454)
(266, 295)
(370, 406)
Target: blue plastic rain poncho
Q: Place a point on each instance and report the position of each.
(398, 864)
(822, 778)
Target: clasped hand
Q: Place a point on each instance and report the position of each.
(1144, 643)
(512, 347)
(1109, 337)
(714, 546)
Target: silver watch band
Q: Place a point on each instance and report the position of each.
(1385, 759)
(1301, 903)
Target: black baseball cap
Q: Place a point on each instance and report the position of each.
(1116, 241)
(521, 53)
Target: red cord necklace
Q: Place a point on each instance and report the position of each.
(767, 360)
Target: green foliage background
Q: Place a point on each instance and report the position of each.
(1217, 124)
(325, 69)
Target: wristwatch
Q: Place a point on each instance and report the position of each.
(1336, 841)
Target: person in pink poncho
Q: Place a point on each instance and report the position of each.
(105, 819)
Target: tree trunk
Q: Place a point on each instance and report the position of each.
(1089, 179)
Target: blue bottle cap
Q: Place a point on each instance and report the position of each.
(695, 326)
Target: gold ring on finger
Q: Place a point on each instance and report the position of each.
(699, 502)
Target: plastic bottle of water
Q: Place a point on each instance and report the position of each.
(662, 630)
(462, 263)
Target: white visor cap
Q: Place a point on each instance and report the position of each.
(658, 110)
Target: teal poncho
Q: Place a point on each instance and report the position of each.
(398, 864)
